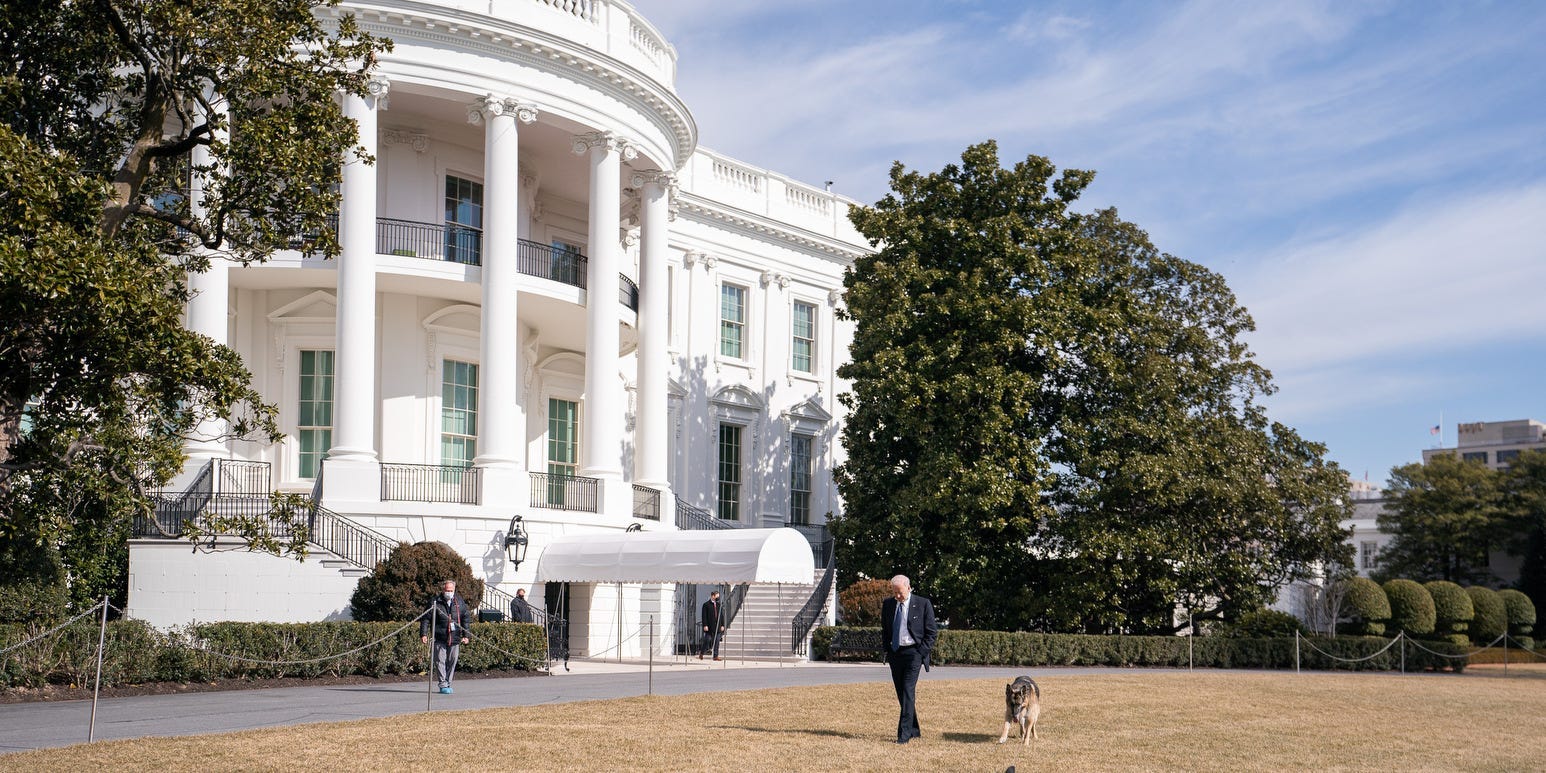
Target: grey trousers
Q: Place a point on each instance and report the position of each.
(445, 661)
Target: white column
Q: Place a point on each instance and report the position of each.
(602, 430)
(501, 419)
(650, 435)
(209, 310)
(351, 469)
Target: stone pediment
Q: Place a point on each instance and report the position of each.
(808, 411)
(313, 308)
(461, 318)
(737, 396)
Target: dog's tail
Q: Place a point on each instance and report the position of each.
(1034, 687)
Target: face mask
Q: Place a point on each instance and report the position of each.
(448, 594)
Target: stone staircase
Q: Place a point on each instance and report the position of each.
(761, 630)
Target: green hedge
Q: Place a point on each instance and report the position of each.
(998, 648)
(1520, 610)
(1411, 607)
(1491, 619)
(1367, 607)
(1452, 608)
(135, 653)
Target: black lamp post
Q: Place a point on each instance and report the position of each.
(516, 542)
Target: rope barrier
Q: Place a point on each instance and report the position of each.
(1381, 651)
(55, 629)
(485, 642)
(1418, 645)
(1532, 653)
(194, 643)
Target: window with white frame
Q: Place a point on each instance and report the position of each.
(1367, 551)
(563, 446)
(458, 413)
(732, 321)
(801, 470)
(314, 417)
(730, 472)
(568, 262)
(464, 221)
(802, 332)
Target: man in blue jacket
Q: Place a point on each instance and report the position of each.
(908, 630)
(447, 619)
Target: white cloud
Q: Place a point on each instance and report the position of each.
(1443, 274)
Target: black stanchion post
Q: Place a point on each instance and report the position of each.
(91, 732)
(429, 682)
(1505, 654)
(1402, 637)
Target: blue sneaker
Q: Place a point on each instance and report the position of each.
(445, 691)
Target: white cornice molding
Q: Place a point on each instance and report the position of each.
(708, 212)
(507, 41)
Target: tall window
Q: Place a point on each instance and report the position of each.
(803, 335)
(1366, 554)
(567, 265)
(314, 420)
(563, 446)
(800, 472)
(464, 221)
(732, 321)
(1474, 456)
(458, 413)
(730, 472)
(1508, 457)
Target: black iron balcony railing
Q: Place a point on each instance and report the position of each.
(436, 241)
(235, 476)
(450, 483)
(628, 293)
(646, 503)
(556, 263)
(689, 517)
(565, 492)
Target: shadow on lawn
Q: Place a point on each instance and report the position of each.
(970, 737)
(790, 731)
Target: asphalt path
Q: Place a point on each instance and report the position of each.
(41, 725)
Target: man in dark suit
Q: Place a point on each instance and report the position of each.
(908, 630)
(520, 608)
(713, 626)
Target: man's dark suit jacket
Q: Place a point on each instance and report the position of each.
(920, 625)
(713, 618)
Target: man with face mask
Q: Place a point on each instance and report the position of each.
(448, 621)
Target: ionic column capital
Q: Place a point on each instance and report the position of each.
(490, 106)
(583, 143)
(663, 179)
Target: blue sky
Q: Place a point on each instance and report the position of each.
(1369, 177)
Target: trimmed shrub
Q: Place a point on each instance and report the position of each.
(1365, 606)
(860, 602)
(1452, 609)
(998, 648)
(1261, 624)
(136, 653)
(1490, 618)
(401, 586)
(1411, 607)
(1520, 610)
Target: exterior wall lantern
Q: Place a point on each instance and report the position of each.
(516, 541)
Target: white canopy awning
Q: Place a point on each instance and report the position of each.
(758, 556)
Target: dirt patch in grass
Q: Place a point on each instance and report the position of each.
(61, 692)
(1213, 720)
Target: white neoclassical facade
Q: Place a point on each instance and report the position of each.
(550, 302)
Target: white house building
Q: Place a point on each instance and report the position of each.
(551, 302)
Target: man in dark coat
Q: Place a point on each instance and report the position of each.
(908, 631)
(713, 625)
(448, 619)
(520, 609)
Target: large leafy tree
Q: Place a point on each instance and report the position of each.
(1445, 517)
(1524, 499)
(106, 209)
(1054, 426)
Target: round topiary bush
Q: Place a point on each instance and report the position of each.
(1521, 612)
(1452, 608)
(1411, 607)
(1490, 619)
(860, 602)
(1261, 624)
(1365, 607)
(401, 587)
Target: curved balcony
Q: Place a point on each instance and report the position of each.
(461, 244)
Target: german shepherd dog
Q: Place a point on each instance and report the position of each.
(1022, 705)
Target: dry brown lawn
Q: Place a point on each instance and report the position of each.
(1207, 720)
